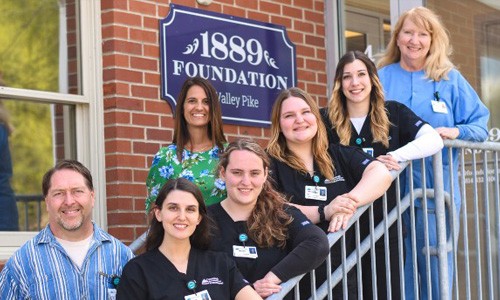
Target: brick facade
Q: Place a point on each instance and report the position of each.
(138, 122)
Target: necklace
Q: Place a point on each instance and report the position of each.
(201, 148)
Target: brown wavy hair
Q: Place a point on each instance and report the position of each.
(278, 148)
(268, 222)
(214, 130)
(437, 64)
(337, 106)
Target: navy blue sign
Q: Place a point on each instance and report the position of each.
(247, 61)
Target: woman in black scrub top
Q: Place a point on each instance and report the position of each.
(326, 184)
(177, 265)
(358, 115)
(270, 241)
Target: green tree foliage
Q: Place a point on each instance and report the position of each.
(29, 41)
(29, 59)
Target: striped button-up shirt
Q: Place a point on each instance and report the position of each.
(41, 269)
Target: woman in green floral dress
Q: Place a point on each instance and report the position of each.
(198, 141)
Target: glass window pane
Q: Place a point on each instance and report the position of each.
(41, 134)
(38, 49)
(367, 26)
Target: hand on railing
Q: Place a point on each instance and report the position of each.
(268, 285)
(448, 133)
(339, 211)
(389, 161)
(339, 221)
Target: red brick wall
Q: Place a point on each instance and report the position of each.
(138, 122)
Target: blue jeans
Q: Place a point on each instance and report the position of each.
(421, 262)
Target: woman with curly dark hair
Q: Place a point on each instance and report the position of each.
(270, 241)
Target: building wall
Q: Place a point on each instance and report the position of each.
(138, 122)
(463, 20)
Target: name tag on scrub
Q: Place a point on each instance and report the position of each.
(203, 295)
(368, 151)
(245, 251)
(439, 107)
(314, 192)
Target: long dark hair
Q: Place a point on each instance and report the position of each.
(201, 236)
(214, 130)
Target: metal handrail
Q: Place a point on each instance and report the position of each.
(29, 198)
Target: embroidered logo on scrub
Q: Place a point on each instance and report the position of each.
(335, 179)
(213, 280)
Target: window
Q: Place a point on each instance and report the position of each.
(51, 86)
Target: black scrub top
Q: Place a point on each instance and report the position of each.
(405, 125)
(307, 241)
(152, 276)
(349, 162)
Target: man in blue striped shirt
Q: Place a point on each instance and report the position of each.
(71, 258)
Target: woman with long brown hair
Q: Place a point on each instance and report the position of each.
(358, 115)
(327, 182)
(270, 241)
(177, 263)
(197, 143)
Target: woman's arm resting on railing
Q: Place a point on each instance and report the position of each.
(268, 285)
(375, 181)
(426, 143)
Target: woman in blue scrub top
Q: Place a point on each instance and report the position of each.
(416, 70)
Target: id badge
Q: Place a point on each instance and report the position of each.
(315, 192)
(439, 107)
(203, 295)
(368, 151)
(245, 251)
(112, 294)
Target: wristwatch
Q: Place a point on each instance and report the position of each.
(321, 211)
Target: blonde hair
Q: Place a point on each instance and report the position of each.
(277, 147)
(437, 64)
(337, 106)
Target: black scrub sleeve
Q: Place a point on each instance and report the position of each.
(309, 247)
(238, 281)
(407, 122)
(352, 160)
(132, 283)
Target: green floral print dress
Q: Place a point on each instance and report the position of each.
(198, 167)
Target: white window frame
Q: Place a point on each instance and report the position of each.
(89, 116)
